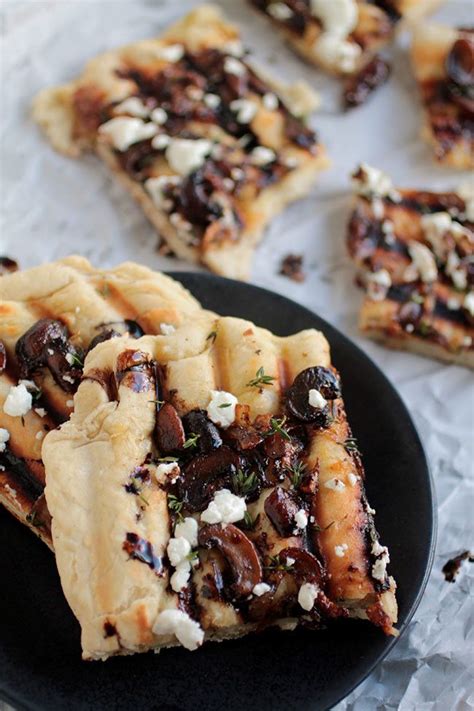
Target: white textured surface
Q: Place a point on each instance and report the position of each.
(52, 206)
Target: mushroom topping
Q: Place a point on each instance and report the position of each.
(196, 422)
(239, 552)
(282, 507)
(460, 70)
(46, 344)
(3, 357)
(169, 431)
(304, 565)
(205, 474)
(134, 370)
(299, 397)
(7, 265)
(101, 337)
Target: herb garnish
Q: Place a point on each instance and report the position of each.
(260, 379)
(350, 445)
(76, 360)
(166, 459)
(191, 441)
(193, 557)
(244, 484)
(297, 473)
(320, 528)
(277, 564)
(212, 336)
(225, 404)
(417, 298)
(277, 427)
(176, 506)
(249, 523)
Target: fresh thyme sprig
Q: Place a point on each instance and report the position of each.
(166, 459)
(278, 427)
(297, 474)
(260, 379)
(350, 445)
(277, 564)
(176, 506)
(191, 441)
(249, 523)
(76, 360)
(225, 404)
(243, 484)
(322, 528)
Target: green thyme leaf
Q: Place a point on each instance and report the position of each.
(260, 379)
(244, 485)
(350, 445)
(76, 360)
(297, 473)
(191, 441)
(248, 522)
(225, 404)
(277, 427)
(176, 506)
(275, 563)
(166, 459)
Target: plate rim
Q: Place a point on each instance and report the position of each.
(326, 327)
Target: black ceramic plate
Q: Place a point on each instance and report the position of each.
(40, 663)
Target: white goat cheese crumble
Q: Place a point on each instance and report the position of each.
(187, 529)
(307, 594)
(165, 468)
(315, 399)
(423, 261)
(340, 551)
(159, 116)
(186, 630)
(171, 52)
(279, 10)
(186, 154)
(221, 408)
(226, 507)
(178, 550)
(18, 401)
(233, 66)
(260, 589)
(124, 131)
(167, 329)
(133, 106)
(181, 575)
(245, 109)
(335, 484)
(4, 437)
(261, 155)
(301, 519)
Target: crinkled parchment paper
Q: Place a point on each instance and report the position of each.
(52, 206)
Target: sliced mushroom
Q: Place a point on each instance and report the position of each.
(46, 344)
(281, 508)
(206, 473)
(196, 422)
(325, 381)
(460, 70)
(239, 552)
(169, 431)
(101, 337)
(135, 371)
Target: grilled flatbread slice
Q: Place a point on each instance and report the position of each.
(230, 501)
(64, 308)
(414, 251)
(209, 148)
(443, 62)
(341, 36)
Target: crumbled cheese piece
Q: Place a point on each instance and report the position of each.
(186, 630)
(159, 142)
(195, 93)
(187, 529)
(290, 561)
(466, 192)
(171, 52)
(301, 518)
(68, 379)
(467, 341)
(337, 52)
(468, 302)
(338, 16)
(307, 594)
(353, 478)
(39, 435)
(186, 155)
(261, 155)
(234, 47)
(178, 550)
(377, 549)
(180, 222)
(166, 468)
(167, 329)
(212, 101)
(453, 304)
(245, 109)
(124, 131)
(132, 106)
(455, 271)
(340, 551)
(237, 173)
(4, 437)
(18, 401)
(435, 227)
(260, 589)
(157, 186)
(50, 351)
(228, 184)
(221, 408)
(226, 507)
(234, 66)
(372, 181)
(370, 510)
(70, 358)
(335, 484)
(279, 10)
(423, 261)
(159, 116)
(379, 568)
(41, 412)
(315, 399)
(409, 328)
(270, 101)
(378, 283)
(181, 575)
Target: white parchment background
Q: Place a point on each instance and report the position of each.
(52, 207)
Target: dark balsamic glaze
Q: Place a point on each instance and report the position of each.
(23, 477)
(140, 549)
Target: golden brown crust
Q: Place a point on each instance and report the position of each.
(209, 216)
(84, 299)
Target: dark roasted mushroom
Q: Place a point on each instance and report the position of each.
(206, 473)
(460, 70)
(169, 431)
(304, 565)
(46, 344)
(281, 507)
(325, 381)
(239, 552)
(359, 86)
(7, 265)
(196, 422)
(101, 337)
(135, 371)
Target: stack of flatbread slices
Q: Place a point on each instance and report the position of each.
(201, 482)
